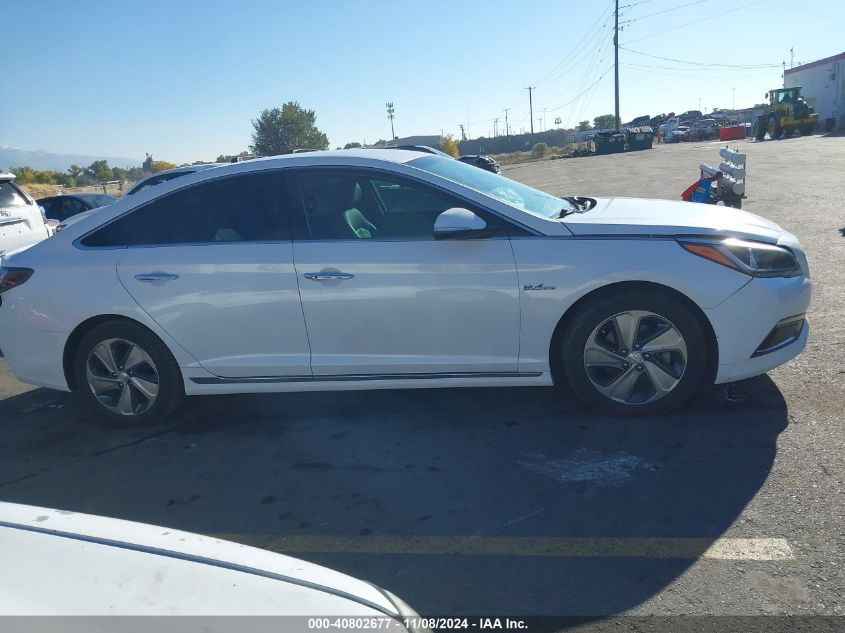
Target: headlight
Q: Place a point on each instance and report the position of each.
(752, 258)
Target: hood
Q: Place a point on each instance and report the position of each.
(76, 564)
(634, 216)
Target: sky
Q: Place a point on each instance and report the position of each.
(183, 79)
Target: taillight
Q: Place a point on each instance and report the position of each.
(13, 277)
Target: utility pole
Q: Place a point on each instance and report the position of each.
(463, 133)
(390, 116)
(791, 58)
(544, 120)
(616, 60)
(507, 129)
(531, 104)
(496, 127)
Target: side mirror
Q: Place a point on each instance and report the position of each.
(457, 223)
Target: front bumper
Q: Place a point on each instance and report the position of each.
(744, 320)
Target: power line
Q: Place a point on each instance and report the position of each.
(596, 41)
(698, 21)
(648, 15)
(711, 70)
(568, 55)
(683, 61)
(671, 74)
(602, 76)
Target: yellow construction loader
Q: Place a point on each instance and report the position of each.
(785, 113)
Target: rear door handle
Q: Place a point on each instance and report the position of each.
(328, 276)
(156, 276)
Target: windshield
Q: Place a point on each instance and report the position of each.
(98, 200)
(502, 189)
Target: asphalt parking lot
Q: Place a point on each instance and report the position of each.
(513, 501)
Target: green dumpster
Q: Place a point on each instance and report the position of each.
(639, 137)
(609, 142)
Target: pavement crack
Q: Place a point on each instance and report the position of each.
(111, 449)
(139, 440)
(34, 473)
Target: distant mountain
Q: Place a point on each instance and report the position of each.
(43, 159)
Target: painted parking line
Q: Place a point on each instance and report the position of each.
(676, 548)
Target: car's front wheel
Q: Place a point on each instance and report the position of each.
(125, 372)
(634, 352)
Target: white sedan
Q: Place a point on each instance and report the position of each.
(59, 563)
(393, 269)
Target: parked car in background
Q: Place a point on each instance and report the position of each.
(421, 148)
(483, 162)
(59, 563)
(22, 221)
(704, 129)
(380, 269)
(691, 115)
(60, 208)
(678, 134)
(169, 174)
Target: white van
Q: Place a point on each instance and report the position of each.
(22, 222)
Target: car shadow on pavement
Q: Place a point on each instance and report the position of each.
(489, 466)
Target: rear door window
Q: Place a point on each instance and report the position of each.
(242, 208)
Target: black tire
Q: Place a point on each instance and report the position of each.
(807, 130)
(775, 130)
(170, 392)
(595, 313)
(758, 130)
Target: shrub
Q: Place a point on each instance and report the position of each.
(539, 150)
(450, 146)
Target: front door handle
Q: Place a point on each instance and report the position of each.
(156, 277)
(328, 276)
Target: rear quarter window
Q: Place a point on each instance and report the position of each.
(11, 196)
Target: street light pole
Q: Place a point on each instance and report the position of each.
(390, 112)
(616, 61)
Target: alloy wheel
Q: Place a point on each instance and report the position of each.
(635, 357)
(122, 376)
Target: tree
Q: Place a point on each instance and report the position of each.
(450, 146)
(583, 126)
(605, 122)
(280, 131)
(351, 145)
(100, 171)
(161, 165)
(75, 171)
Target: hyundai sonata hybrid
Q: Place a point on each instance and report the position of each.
(394, 269)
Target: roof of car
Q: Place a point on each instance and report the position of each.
(386, 154)
(81, 194)
(189, 168)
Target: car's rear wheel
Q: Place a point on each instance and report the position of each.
(634, 352)
(126, 373)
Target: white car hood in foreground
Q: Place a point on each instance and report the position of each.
(63, 563)
(634, 216)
